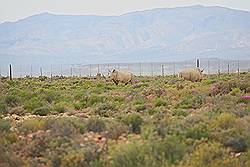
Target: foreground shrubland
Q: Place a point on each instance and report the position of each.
(157, 122)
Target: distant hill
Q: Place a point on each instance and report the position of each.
(152, 35)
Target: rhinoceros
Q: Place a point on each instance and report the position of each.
(120, 76)
(194, 75)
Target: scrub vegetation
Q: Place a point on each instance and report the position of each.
(155, 122)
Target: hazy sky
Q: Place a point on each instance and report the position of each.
(12, 10)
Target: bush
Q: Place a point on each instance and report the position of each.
(179, 112)
(79, 105)
(43, 111)
(139, 107)
(105, 109)
(50, 97)
(11, 101)
(149, 154)
(133, 121)
(33, 104)
(152, 111)
(94, 99)
(198, 131)
(116, 129)
(5, 125)
(63, 127)
(236, 92)
(60, 108)
(190, 102)
(3, 107)
(237, 144)
(159, 102)
(95, 124)
(225, 121)
(31, 125)
(8, 158)
(209, 155)
(76, 156)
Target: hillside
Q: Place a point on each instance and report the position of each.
(152, 35)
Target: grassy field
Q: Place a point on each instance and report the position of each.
(156, 122)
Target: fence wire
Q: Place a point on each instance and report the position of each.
(210, 66)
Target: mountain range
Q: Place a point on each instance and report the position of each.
(166, 34)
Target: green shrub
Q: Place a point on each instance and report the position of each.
(64, 127)
(225, 121)
(236, 92)
(94, 99)
(31, 125)
(139, 107)
(8, 158)
(60, 108)
(159, 102)
(95, 124)
(116, 129)
(209, 155)
(43, 111)
(12, 101)
(17, 110)
(179, 112)
(3, 107)
(149, 154)
(33, 104)
(152, 111)
(148, 132)
(80, 105)
(50, 96)
(190, 102)
(133, 121)
(74, 156)
(198, 131)
(5, 125)
(237, 144)
(105, 109)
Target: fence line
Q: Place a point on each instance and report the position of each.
(210, 66)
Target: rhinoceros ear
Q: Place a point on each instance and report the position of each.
(114, 70)
(202, 70)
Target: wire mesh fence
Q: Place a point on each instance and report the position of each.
(210, 66)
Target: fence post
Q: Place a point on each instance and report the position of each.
(248, 70)
(162, 70)
(90, 70)
(228, 68)
(218, 66)
(20, 71)
(208, 67)
(140, 70)
(31, 71)
(10, 72)
(174, 68)
(152, 71)
(238, 67)
(61, 70)
(41, 71)
(98, 69)
(80, 71)
(51, 71)
(198, 63)
(71, 71)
